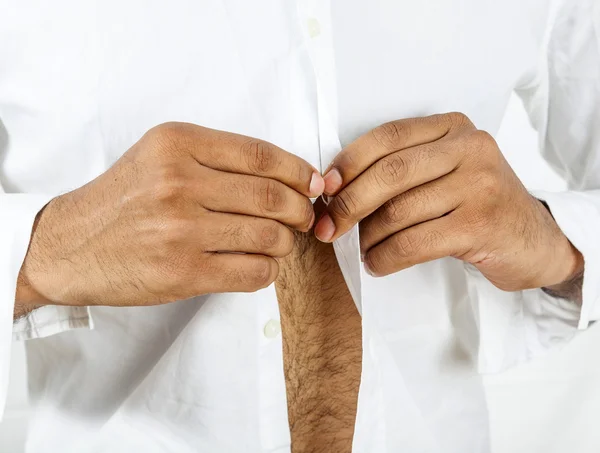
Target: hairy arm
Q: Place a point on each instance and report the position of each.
(322, 348)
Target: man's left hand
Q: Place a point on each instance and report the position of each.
(428, 188)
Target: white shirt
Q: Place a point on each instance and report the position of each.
(81, 81)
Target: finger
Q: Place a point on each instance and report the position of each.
(229, 273)
(386, 139)
(426, 202)
(240, 154)
(425, 242)
(388, 177)
(245, 234)
(255, 196)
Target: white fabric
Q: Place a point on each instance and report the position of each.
(80, 82)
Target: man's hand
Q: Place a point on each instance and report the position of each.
(433, 187)
(186, 211)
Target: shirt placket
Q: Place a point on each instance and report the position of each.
(313, 103)
(272, 407)
(318, 35)
(315, 16)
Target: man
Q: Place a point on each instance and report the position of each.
(168, 151)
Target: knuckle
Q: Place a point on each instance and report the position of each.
(259, 156)
(166, 136)
(392, 135)
(458, 119)
(344, 205)
(269, 195)
(482, 141)
(269, 237)
(261, 274)
(484, 136)
(168, 128)
(392, 169)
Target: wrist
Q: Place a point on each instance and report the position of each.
(564, 263)
(27, 297)
(569, 287)
(571, 265)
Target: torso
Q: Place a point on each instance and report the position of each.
(321, 347)
(89, 83)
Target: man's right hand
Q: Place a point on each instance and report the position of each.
(186, 211)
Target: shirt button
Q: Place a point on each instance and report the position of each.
(272, 328)
(314, 28)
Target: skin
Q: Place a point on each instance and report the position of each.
(420, 189)
(322, 348)
(148, 230)
(434, 187)
(160, 225)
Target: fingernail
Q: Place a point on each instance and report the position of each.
(333, 181)
(325, 229)
(317, 185)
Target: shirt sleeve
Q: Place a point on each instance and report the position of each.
(17, 215)
(563, 103)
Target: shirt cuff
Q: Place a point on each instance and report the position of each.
(17, 214)
(578, 216)
(50, 320)
(516, 327)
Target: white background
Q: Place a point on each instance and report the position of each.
(549, 406)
